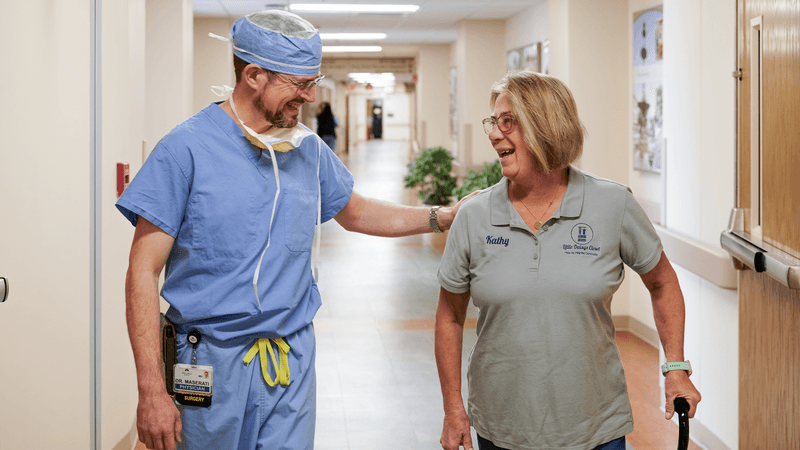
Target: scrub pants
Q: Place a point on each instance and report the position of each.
(246, 413)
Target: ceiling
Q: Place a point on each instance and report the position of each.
(434, 22)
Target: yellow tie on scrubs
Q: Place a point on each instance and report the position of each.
(262, 346)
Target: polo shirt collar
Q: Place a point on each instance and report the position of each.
(503, 214)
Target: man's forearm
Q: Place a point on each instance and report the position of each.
(142, 314)
(387, 219)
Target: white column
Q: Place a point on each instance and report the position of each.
(168, 85)
(433, 95)
(480, 59)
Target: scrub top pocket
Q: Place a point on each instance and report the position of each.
(299, 210)
(224, 222)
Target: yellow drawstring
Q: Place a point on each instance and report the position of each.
(261, 346)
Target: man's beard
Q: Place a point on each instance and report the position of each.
(277, 119)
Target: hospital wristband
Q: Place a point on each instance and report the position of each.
(680, 365)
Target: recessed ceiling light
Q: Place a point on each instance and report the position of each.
(352, 36)
(351, 48)
(351, 8)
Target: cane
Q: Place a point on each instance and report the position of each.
(682, 408)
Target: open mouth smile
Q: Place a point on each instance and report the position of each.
(505, 153)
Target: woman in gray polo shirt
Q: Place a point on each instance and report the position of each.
(541, 254)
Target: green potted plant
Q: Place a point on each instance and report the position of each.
(488, 177)
(431, 173)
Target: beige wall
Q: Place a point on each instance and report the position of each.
(479, 65)
(527, 27)
(45, 180)
(588, 51)
(168, 82)
(44, 251)
(433, 96)
(212, 64)
(123, 135)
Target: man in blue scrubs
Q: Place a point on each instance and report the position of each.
(227, 203)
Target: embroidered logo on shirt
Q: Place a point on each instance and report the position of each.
(497, 240)
(582, 234)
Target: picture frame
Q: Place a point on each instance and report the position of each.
(525, 58)
(647, 90)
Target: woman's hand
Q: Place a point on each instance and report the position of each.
(455, 431)
(677, 384)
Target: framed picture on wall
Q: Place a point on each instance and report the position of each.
(647, 94)
(525, 58)
(544, 57)
(530, 58)
(454, 104)
(513, 58)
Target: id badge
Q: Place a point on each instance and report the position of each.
(193, 385)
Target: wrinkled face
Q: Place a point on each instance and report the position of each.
(515, 157)
(279, 100)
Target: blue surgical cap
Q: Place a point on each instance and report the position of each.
(279, 41)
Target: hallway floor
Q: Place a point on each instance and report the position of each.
(378, 386)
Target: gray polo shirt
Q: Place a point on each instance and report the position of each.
(545, 372)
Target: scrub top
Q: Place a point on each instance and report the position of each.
(206, 186)
(545, 371)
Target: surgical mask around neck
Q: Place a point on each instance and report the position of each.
(279, 139)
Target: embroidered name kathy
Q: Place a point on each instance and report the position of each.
(497, 240)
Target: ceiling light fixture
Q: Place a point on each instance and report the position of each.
(352, 36)
(350, 48)
(352, 8)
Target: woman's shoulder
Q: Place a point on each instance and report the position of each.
(481, 202)
(602, 186)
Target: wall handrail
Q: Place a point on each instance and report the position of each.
(710, 263)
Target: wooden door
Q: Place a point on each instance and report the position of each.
(768, 190)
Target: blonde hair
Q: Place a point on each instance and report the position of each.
(545, 109)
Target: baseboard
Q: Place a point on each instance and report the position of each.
(640, 330)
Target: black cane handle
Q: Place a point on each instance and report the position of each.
(682, 408)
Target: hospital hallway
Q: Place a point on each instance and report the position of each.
(378, 386)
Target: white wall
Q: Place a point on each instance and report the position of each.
(479, 65)
(212, 60)
(699, 115)
(123, 134)
(45, 182)
(433, 96)
(527, 27)
(44, 253)
(397, 117)
(169, 86)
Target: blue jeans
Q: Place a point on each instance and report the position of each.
(616, 444)
(330, 140)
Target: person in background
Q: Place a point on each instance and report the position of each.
(326, 125)
(227, 204)
(541, 253)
